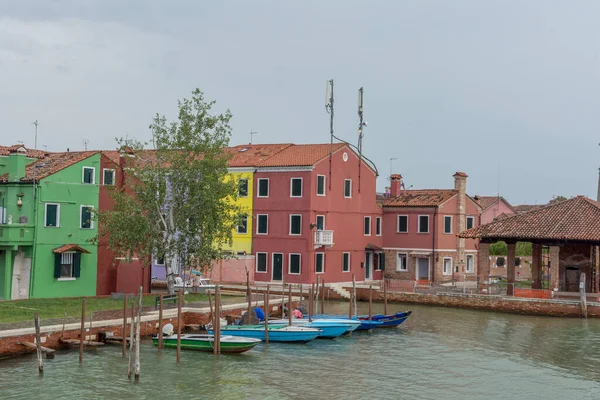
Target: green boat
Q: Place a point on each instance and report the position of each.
(229, 344)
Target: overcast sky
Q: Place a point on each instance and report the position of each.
(506, 91)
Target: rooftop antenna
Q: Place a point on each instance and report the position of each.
(45, 146)
(252, 133)
(85, 144)
(35, 123)
(329, 109)
(361, 125)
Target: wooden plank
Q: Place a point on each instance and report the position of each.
(78, 342)
(34, 347)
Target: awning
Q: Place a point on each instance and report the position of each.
(70, 247)
(371, 246)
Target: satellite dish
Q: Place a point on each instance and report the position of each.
(168, 329)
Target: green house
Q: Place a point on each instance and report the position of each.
(47, 201)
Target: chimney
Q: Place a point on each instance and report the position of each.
(395, 184)
(16, 164)
(460, 185)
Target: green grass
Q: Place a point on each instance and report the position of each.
(23, 310)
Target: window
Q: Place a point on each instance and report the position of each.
(262, 224)
(67, 266)
(402, 262)
(320, 185)
(320, 222)
(367, 226)
(263, 187)
(242, 227)
(243, 188)
(88, 175)
(296, 187)
(470, 222)
(402, 223)
(295, 224)
(447, 266)
(423, 223)
(500, 261)
(470, 263)
(348, 188)
(294, 264)
(380, 262)
(378, 226)
(86, 221)
(261, 262)
(447, 224)
(108, 177)
(319, 263)
(346, 262)
(52, 215)
(159, 260)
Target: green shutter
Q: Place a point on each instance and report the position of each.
(76, 265)
(57, 262)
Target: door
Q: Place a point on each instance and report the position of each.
(423, 269)
(572, 275)
(368, 265)
(277, 267)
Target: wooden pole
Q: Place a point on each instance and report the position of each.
(350, 307)
(132, 343)
(82, 332)
(310, 303)
(370, 302)
(290, 304)
(384, 297)
(137, 334)
(582, 295)
(38, 343)
(160, 321)
(300, 293)
(249, 294)
(179, 297)
(323, 297)
(213, 321)
(266, 303)
(124, 332)
(354, 293)
(282, 299)
(218, 318)
(317, 295)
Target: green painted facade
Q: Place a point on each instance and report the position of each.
(28, 243)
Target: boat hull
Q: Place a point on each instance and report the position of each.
(280, 333)
(329, 330)
(206, 343)
(365, 325)
(390, 321)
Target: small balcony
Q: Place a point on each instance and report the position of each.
(323, 238)
(16, 234)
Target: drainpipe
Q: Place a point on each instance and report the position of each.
(432, 271)
(35, 234)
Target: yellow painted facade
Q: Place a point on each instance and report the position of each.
(242, 241)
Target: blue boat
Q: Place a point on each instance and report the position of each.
(277, 333)
(388, 321)
(365, 325)
(329, 329)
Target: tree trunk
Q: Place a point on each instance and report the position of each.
(137, 335)
(169, 264)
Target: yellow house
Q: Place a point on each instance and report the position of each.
(242, 236)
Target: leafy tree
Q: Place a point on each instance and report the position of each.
(500, 249)
(557, 199)
(176, 202)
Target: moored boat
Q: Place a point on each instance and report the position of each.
(329, 329)
(229, 343)
(364, 324)
(277, 333)
(388, 321)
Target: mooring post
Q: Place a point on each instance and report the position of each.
(370, 302)
(310, 303)
(290, 304)
(82, 332)
(384, 297)
(124, 330)
(323, 297)
(354, 293)
(213, 320)
(132, 343)
(38, 342)
(582, 295)
(179, 298)
(350, 307)
(300, 293)
(160, 321)
(317, 295)
(266, 303)
(218, 318)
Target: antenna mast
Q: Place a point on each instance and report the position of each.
(85, 144)
(329, 109)
(361, 124)
(35, 123)
(251, 134)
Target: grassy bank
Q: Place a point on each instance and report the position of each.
(23, 310)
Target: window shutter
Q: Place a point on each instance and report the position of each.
(57, 261)
(382, 261)
(76, 265)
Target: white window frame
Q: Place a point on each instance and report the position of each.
(93, 175)
(247, 188)
(448, 216)
(324, 185)
(67, 258)
(266, 263)
(258, 187)
(472, 257)
(399, 265)
(113, 176)
(156, 259)
(378, 222)
(349, 264)
(398, 223)
(322, 264)
(57, 214)
(444, 263)
(419, 224)
(301, 187)
(365, 225)
(472, 218)
(350, 196)
(290, 230)
(81, 219)
(317, 222)
(290, 264)
(258, 224)
(237, 228)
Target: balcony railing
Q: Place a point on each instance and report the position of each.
(323, 238)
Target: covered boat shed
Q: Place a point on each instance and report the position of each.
(567, 234)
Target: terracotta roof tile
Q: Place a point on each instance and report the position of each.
(31, 153)
(486, 201)
(527, 207)
(53, 163)
(300, 155)
(113, 155)
(252, 155)
(574, 219)
(70, 247)
(420, 198)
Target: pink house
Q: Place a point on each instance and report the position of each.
(493, 207)
(316, 215)
(420, 230)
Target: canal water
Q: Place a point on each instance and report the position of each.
(439, 353)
